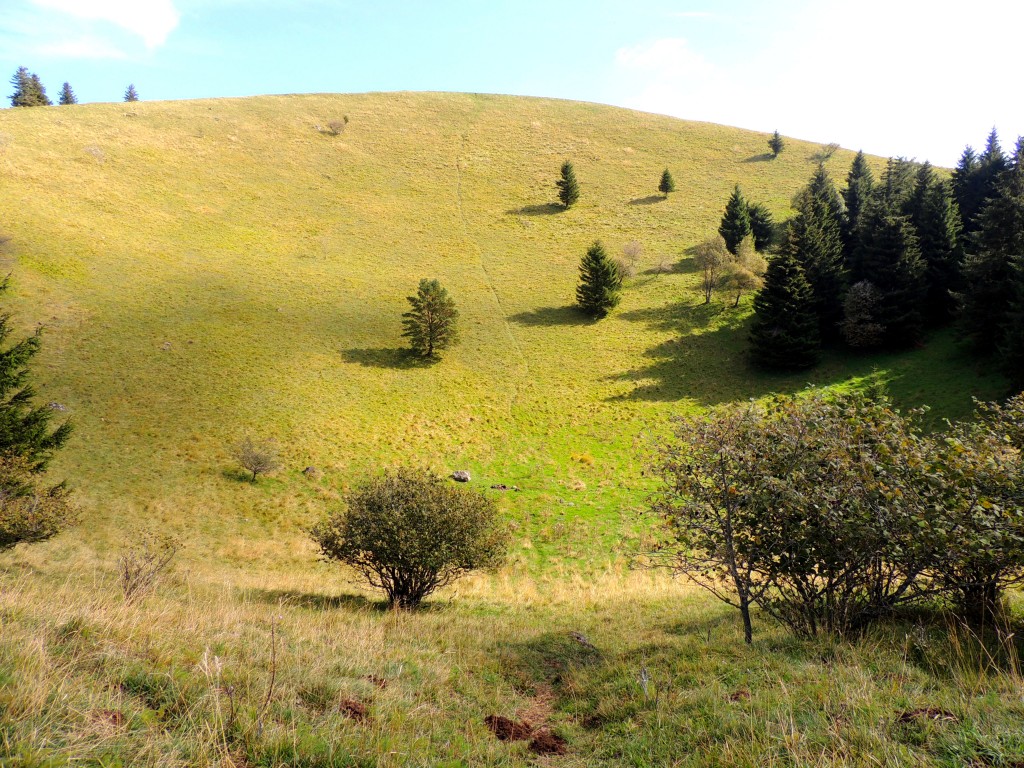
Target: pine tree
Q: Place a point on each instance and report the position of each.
(776, 144)
(600, 282)
(784, 331)
(988, 281)
(666, 184)
(814, 239)
(130, 94)
(568, 188)
(936, 220)
(24, 430)
(28, 90)
(735, 221)
(859, 186)
(431, 323)
(762, 226)
(889, 257)
(67, 96)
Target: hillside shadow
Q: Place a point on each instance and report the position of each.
(649, 200)
(764, 157)
(312, 601)
(545, 209)
(551, 316)
(387, 357)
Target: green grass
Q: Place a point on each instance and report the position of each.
(211, 269)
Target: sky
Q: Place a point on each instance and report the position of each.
(914, 78)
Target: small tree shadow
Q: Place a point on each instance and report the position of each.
(237, 475)
(764, 157)
(387, 357)
(550, 316)
(545, 209)
(649, 200)
(546, 658)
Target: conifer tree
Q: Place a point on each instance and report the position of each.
(889, 257)
(666, 184)
(67, 96)
(967, 188)
(25, 429)
(735, 221)
(431, 323)
(784, 331)
(1011, 351)
(28, 90)
(600, 282)
(814, 239)
(859, 186)
(776, 144)
(988, 282)
(896, 187)
(568, 187)
(936, 220)
(762, 226)
(130, 94)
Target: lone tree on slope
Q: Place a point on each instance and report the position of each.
(735, 224)
(666, 184)
(568, 188)
(67, 96)
(28, 90)
(130, 93)
(776, 144)
(430, 325)
(600, 282)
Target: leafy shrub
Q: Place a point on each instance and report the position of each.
(336, 127)
(411, 532)
(814, 508)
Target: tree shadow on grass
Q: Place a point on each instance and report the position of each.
(544, 209)
(649, 200)
(551, 316)
(546, 658)
(764, 157)
(387, 357)
(313, 601)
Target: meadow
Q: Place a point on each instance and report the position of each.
(210, 269)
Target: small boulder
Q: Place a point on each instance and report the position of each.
(56, 407)
(461, 476)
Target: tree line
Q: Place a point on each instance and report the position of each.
(30, 92)
(881, 262)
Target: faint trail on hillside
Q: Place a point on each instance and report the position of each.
(483, 267)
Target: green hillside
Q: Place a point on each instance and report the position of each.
(210, 269)
(213, 269)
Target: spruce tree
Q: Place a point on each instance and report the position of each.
(67, 96)
(896, 187)
(776, 144)
(666, 184)
(784, 331)
(859, 186)
(25, 430)
(600, 282)
(568, 188)
(814, 239)
(130, 94)
(936, 220)
(967, 188)
(735, 221)
(28, 90)
(1011, 350)
(762, 226)
(430, 325)
(889, 257)
(988, 281)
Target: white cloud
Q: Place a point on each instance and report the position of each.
(152, 20)
(81, 48)
(665, 59)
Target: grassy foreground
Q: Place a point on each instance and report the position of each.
(211, 269)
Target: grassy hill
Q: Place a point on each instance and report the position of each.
(211, 269)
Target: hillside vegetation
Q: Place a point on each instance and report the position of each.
(208, 270)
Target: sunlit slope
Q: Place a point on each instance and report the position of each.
(208, 269)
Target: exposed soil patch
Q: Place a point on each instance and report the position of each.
(380, 682)
(354, 709)
(508, 730)
(741, 695)
(547, 743)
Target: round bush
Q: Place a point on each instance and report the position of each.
(410, 532)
